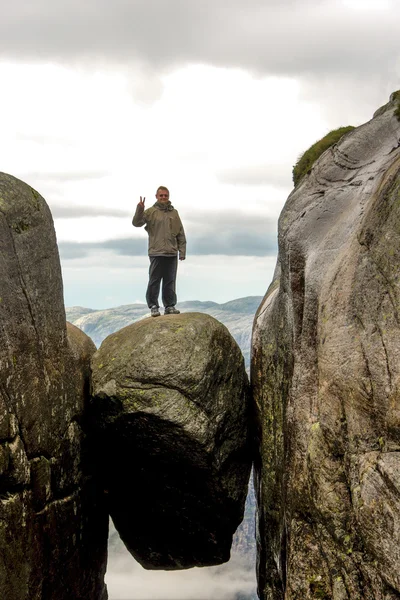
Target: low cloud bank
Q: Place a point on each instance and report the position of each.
(127, 580)
(228, 234)
(240, 244)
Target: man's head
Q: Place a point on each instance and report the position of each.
(162, 194)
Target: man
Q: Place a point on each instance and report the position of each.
(166, 240)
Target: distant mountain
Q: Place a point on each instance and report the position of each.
(237, 315)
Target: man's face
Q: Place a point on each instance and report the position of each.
(162, 196)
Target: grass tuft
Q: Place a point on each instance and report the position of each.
(306, 160)
(396, 98)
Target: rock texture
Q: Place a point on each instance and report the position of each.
(170, 407)
(326, 377)
(53, 530)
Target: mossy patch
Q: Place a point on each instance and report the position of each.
(396, 98)
(306, 160)
(21, 226)
(318, 588)
(36, 199)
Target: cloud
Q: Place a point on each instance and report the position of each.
(53, 183)
(63, 176)
(125, 586)
(266, 174)
(211, 233)
(126, 579)
(267, 36)
(228, 244)
(75, 212)
(126, 582)
(124, 247)
(235, 244)
(41, 139)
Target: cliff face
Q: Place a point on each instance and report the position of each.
(326, 377)
(170, 410)
(53, 529)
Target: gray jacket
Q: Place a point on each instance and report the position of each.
(165, 229)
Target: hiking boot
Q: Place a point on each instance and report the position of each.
(155, 311)
(171, 310)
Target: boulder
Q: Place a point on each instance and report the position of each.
(326, 379)
(170, 412)
(53, 526)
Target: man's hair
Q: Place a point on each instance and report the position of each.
(162, 187)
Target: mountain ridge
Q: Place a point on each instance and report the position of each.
(237, 315)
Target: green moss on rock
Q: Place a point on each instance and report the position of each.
(21, 226)
(36, 199)
(396, 98)
(309, 157)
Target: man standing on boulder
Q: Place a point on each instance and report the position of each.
(166, 240)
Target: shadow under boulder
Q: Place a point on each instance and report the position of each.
(170, 418)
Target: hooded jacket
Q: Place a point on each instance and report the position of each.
(164, 227)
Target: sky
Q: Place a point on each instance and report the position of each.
(102, 102)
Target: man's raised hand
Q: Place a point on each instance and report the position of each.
(141, 203)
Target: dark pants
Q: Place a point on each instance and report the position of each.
(162, 268)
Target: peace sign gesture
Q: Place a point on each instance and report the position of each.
(141, 203)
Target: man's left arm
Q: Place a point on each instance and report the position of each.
(181, 239)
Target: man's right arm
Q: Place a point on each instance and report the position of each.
(139, 218)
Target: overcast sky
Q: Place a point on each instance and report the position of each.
(102, 102)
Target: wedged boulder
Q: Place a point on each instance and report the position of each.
(326, 379)
(170, 410)
(53, 527)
